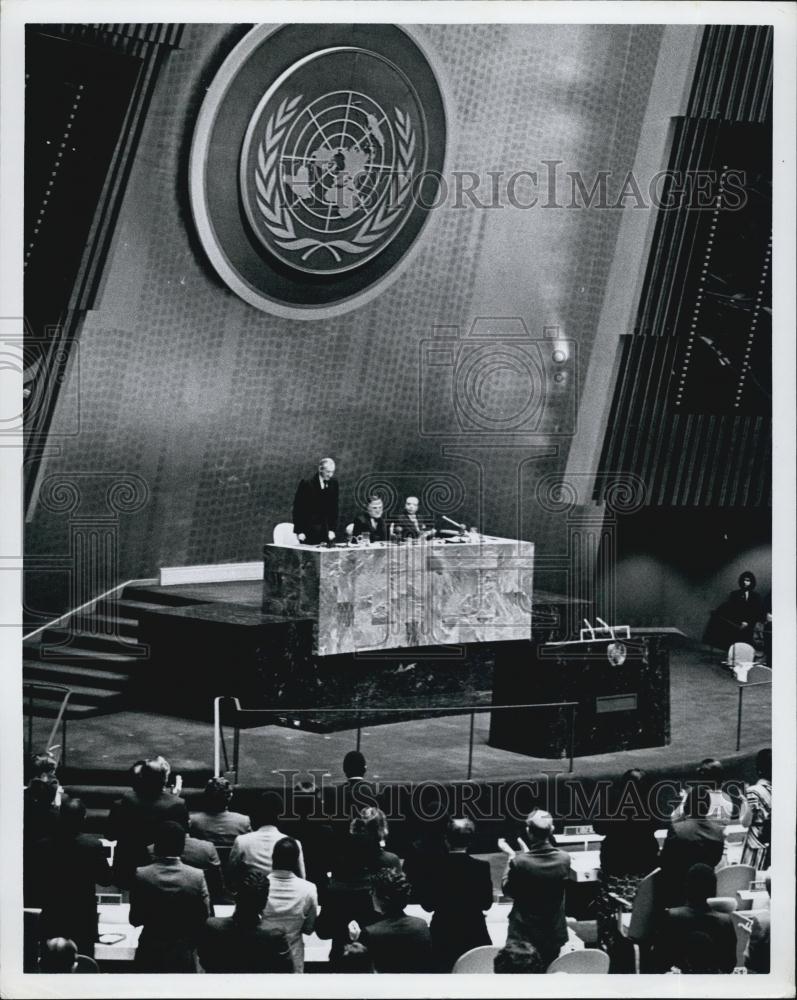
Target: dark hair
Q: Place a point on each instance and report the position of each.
(392, 888)
(356, 858)
(170, 840)
(354, 764)
(763, 763)
(251, 893)
(73, 815)
(149, 779)
(699, 954)
(372, 822)
(42, 763)
(218, 793)
(459, 831)
(267, 810)
(355, 958)
(43, 789)
(518, 956)
(285, 856)
(701, 882)
(747, 574)
(710, 767)
(58, 955)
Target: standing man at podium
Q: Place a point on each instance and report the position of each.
(315, 506)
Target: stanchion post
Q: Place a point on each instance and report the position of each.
(739, 719)
(572, 737)
(359, 731)
(236, 747)
(470, 743)
(30, 722)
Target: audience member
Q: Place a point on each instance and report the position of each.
(59, 955)
(315, 833)
(135, 818)
(254, 850)
(519, 957)
(680, 922)
(75, 863)
(756, 954)
(692, 839)
(348, 895)
(535, 880)
(357, 791)
(373, 824)
(396, 942)
(203, 855)
(170, 899)
(720, 807)
(41, 819)
(240, 943)
(292, 900)
(217, 822)
(629, 850)
(355, 959)
(759, 801)
(460, 890)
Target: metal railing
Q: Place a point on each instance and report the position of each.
(28, 695)
(742, 688)
(94, 600)
(220, 744)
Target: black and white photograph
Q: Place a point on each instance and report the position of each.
(398, 443)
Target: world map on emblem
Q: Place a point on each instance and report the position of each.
(328, 172)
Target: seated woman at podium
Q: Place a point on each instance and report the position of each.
(736, 618)
(411, 523)
(370, 522)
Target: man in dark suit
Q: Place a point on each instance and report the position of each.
(203, 855)
(397, 942)
(682, 923)
(371, 521)
(460, 890)
(171, 900)
(238, 943)
(411, 523)
(535, 879)
(693, 838)
(315, 506)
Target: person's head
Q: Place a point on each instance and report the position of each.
(747, 580)
(169, 840)
(356, 858)
(701, 883)
(73, 816)
(699, 954)
(43, 789)
(539, 825)
(710, 770)
(518, 957)
(763, 764)
(354, 764)
(326, 469)
(218, 793)
(390, 892)
(268, 809)
(459, 833)
(411, 505)
(42, 763)
(251, 894)
(149, 778)
(286, 856)
(375, 506)
(355, 958)
(59, 955)
(372, 822)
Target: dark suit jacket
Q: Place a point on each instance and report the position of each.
(689, 841)
(408, 529)
(362, 526)
(133, 823)
(203, 855)
(536, 882)
(225, 946)
(343, 902)
(682, 921)
(69, 908)
(459, 891)
(315, 511)
(171, 900)
(399, 944)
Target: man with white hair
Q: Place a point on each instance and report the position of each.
(535, 880)
(315, 506)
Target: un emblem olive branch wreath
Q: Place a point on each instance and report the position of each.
(277, 215)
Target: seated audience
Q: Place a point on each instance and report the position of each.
(41, 818)
(518, 957)
(314, 832)
(170, 901)
(74, 864)
(133, 820)
(756, 954)
(59, 955)
(254, 850)
(217, 822)
(396, 942)
(241, 943)
(535, 880)
(459, 892)
(292, 900)
(355, 959)
(674, 947)
(203, 855)
(693, 838)
(720, 806)
(372, 823)
(629, 850)
(348, 895)
(759, 802)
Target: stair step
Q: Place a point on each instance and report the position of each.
(137, 608)
(67, 639)
(81, 694)
(49, 709)
(60, 673)
(160, 597)
(50, 654)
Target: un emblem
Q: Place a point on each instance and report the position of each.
(338, 163)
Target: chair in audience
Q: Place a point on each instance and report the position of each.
(741, 659)
(284, 534)
(722, 904)
(579, 962)
(31, 939)
(636, 921)
(733, 878)
(476, 960)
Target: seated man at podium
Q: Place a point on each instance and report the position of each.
(411, 524)
(370, 522)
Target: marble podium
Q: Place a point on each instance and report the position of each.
(390, 597)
